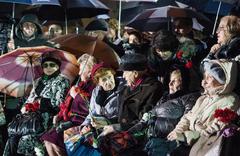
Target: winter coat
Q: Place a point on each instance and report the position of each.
(139, 101)
(167, 114)
(54, 90)
(200, 120)
(21, 41)
(108, 111)
(51, 90)
(228, 51)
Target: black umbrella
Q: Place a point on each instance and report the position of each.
(69, 10)
(153, 19)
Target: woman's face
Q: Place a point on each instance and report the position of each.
(107, 81)
(209, 82)
(175, 83)
(49, 67)
(222, 32)
(130, 77)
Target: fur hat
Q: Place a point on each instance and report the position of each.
(216, 71)
(133, 61)
(50, 56)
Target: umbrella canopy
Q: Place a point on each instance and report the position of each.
(80, 44)
(155, 18)
(33, 2)
(72, 9)
(20, 67)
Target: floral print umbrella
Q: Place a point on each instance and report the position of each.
(19, 68)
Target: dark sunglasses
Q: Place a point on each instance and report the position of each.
(51, 65)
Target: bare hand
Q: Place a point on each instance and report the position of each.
(85, 129)
(107, 130)
(74, 91)
(11, 45)
(175, 136)
(23, 110)
(214, 48)
(55, 120)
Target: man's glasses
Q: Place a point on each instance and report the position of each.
(51, 65)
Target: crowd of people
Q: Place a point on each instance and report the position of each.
(173, 94)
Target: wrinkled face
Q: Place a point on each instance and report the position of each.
(165, 55)
(130, 77)
(84, 72)
(181, 29)
(209, 82)
(222, 32)
(107, 81)
(175, 83)
(132, 39)
(29, 29)
(49, 67)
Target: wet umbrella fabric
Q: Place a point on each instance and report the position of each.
(20, 67)
(80, 44)
(164, 15)
(33, 2)
(72, 9)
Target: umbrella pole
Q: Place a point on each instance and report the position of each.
(66, 21)
(119, 19)
(215, 23)
(13, 17)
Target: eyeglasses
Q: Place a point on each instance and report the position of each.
(51, 65)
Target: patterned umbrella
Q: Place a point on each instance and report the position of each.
(19, 68)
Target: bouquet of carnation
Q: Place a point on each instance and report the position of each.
(230, 118)
(32, 107)
(187, 50)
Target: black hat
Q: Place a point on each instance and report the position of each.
(50, 56)
(98, 24)
(133, 61)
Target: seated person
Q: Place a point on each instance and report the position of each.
(73, 110)
(218, 83)
(104, 103)
(141, 94)
(165, 115)
(49, 92)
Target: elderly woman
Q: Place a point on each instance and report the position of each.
(170, 108)
(73, 110)
(218, 83)
(228, 39)
(49, 92)
(141, 94)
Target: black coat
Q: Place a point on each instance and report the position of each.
(227, 51)
(168, 112)
(138, 101)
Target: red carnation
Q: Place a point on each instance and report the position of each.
(189, 64)
(36, 106)
(225, 115)
(28, 106)
(179, 54)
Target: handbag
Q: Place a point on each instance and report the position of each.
(117, 142)
(2, 115)
(24, 124)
